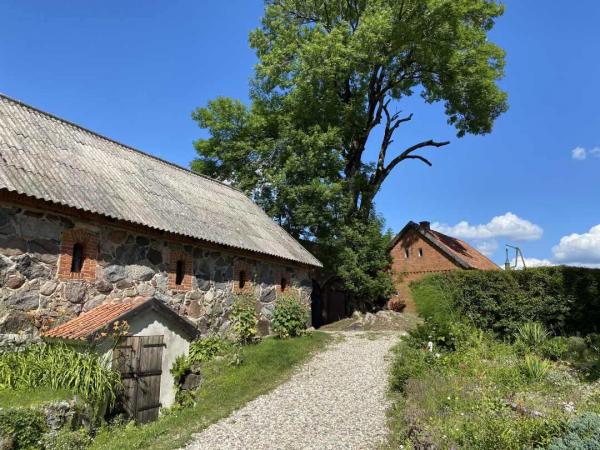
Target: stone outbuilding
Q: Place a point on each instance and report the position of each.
(142, 337)
(86, 220)
(417, 251)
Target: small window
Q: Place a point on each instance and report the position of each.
(420, 253)
(406, 253)
(283, 284)
(179, 272)
(242, 279)
(77, 258)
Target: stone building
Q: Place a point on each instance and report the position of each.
(417, 251)
(85, 220)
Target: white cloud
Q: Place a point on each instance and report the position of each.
(508, 226)
(535, 262)
(579, 153)
(579, 249)
(487, 247)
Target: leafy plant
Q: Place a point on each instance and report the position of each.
(205, 349)
(67, 440)
(180, 368)
(534, 367)
(289, 317)
(532, 335)
(60, 367)
(25, 426)
(556, 348)
(243, 318)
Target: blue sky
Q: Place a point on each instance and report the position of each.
(135, 70)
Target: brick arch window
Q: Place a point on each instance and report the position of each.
(77, 258)
(283, 284)
(180, 271)
(242, 281)
(78, 253)
(283, 281)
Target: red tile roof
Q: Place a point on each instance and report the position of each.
(94, 320)
(462, 250)
(461, 253)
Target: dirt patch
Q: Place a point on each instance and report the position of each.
(380, 321)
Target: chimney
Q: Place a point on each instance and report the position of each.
(424, 225)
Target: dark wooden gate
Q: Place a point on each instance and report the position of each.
(139, 360)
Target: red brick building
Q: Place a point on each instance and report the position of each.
(417, 250)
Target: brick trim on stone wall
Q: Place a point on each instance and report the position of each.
(186, 283)
(278, 278)
(89, 242)
(238, 267)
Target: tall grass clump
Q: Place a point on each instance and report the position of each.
(58, 366)
(532, 335)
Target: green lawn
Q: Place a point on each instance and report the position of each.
(225, 388)
(27, 398)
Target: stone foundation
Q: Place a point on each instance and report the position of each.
(34, 295)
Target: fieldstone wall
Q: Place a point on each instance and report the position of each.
(128, 265)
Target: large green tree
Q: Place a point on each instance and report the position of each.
(329, 73)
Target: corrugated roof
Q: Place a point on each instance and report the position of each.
(51, 159)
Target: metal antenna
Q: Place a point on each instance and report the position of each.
(518, 254)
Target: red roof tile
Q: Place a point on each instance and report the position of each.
(95, 319)
(460, 249)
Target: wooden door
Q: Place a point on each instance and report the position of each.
(139, 360)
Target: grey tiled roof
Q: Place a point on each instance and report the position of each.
(48, 158)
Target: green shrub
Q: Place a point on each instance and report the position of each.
(583, 433)
(289, 317)
(565, 300)
(532, 335)
(556, 348)
(24, 426)
(180, 368)
(243, 318)
(409, 362)
(205, 349)
(67, 440)
(58, 366)
(534, 367)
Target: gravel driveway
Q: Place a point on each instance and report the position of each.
(335, 401)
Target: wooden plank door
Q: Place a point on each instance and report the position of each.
(139, 360)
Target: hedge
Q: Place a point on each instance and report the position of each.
(565, 299)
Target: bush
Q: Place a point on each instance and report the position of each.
(409, 362)
(207, 348)
(67, 440)
(532, 335)
(583, 433)
(25, 427)
(556, 348)
(60, 367)
(565, 300)
(289, 317)
(243, 318)
(535, 368)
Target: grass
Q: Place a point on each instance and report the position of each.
(31, 397)
(224, 389)
(486, 394)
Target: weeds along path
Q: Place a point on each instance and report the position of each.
(335, 401)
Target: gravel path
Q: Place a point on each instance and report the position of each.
(335, 401)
